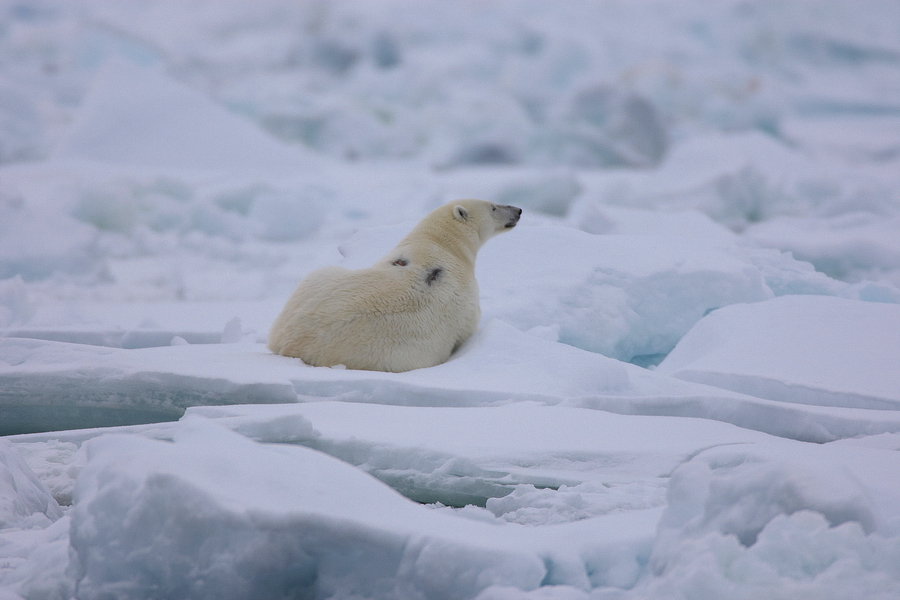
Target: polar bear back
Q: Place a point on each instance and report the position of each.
(388, 317)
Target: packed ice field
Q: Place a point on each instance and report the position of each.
(686, 380)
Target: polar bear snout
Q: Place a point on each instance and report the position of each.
(512, 214)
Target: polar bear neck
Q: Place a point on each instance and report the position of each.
(460, 241)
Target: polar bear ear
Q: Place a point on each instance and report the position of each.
(460, 213)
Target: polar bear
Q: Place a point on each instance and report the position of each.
(409, 310)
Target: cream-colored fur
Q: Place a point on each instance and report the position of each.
(409, 310)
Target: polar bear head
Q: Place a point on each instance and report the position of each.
(487, 218)
(460, 228)
(465, 225)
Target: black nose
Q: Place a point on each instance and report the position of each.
(515, 218)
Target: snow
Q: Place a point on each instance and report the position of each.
(684, 383)
(848, 363)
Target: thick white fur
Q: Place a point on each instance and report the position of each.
(394, 316)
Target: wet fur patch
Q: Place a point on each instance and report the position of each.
(433, 275)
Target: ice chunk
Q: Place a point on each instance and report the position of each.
(622, 296)
(807, 349)
(737, 179)
(385, 50)
(786, 275)
(216, 515)
(117, 338)
(55, 464)
(55, 385)
(282, 216)
(232, 333)
(35, 563)
(15, 305)
(24, 501)
(850, 247)
(606, 220)
(628, 130)
(528, 463)
(605, 126)
(797, 518)
(873, 138)
(485, 153)
(36, 243)
(137, 116)
(134, 324)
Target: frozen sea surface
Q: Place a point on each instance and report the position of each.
(685, 380)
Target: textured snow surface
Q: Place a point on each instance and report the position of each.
(685, 380)
(848, 351)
